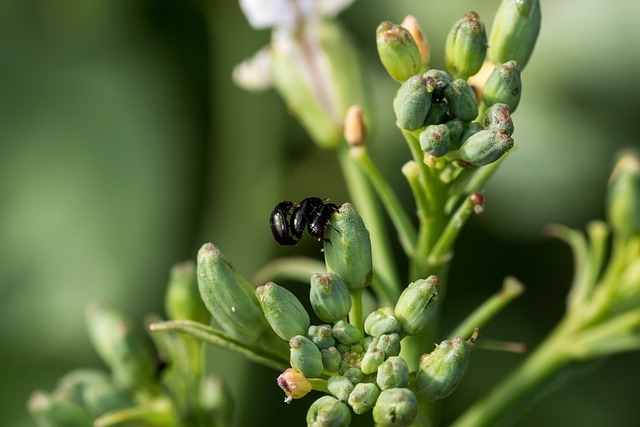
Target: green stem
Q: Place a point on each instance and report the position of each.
(355, 314)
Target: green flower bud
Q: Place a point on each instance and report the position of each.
(348, 249)
(282, 309)
(51, 410)
(437, 81)
(329, 297)
(411, 103)
(355, 375)
(484, 147)
(294, 384)
(456, 129)
(371, 360)
(434, 140)
(441, 371)
(182, 300)
(72, 385)
(305, 357)
(623, 198)
(462, 100)
(417, 305)
(346, 333)
(363, 397)
(438, 113)
(328, 412)
(389, 343)
(381, 321)
(466, 46)
(394, 372)
(469, 130)
(321, 336)
(331, 359)
(398, 51)
(503, 86)
(100, 398)
(498, 117)
(340, 387)
(229, 297)
(514, 32)
(121, 347)
(396, 407)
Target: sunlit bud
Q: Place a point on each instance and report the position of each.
(441, 371)
(437, 81)
(417, 305)
(484, 147)
(623, 198)
(329, 297)
(514, 32)
(354, 128)
(328, 412)
(371, 360)
(347, 251)
(434, 139)
(321, 336)
(456, 129)
(411, 24)
(363, 397)
(51, 410)
(346, 333)
(340, 387)
(331, 359)
(389, 343)
(398, 51)
(466, 46)
(498, 117)
(354, 375)
(229, 297)
(381, 321)
(394, 372)
(411, 103)
(284, 312)
(120, 346)
(462, 100)
(305, 357)
(396, 407)
(294, 384)
(504, 86)
(215, 401)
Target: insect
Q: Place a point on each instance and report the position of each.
(289, 220)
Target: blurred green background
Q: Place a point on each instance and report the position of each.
(124, 146)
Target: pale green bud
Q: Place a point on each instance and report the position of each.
(462, 100)
(331, 359)
(182, 300)
(396, 407)
(346, 333)
(294, 384)
(498, 117)
(434, 140)
(623, 198)
(398, 51)
(328, 412)
(389, 343)
(411, 103)
(417, 305)
(50, 410)
(514, 32)
(363, 397)
(347, 250)
(100, 398)
(382, 321)
(340, 387)
(371, 360)
(329, 297)
(321, 336)
(504, 86)
(437, 81)
(305, 357)
(484, 147)
(441, 371)
(282, 309)
(355, 375)
(229, 297)
(466, 46)
(394, 372)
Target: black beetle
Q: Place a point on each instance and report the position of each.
(280, 224)
(311, 213)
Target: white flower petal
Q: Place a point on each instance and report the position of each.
(254, 74)
(269, 13)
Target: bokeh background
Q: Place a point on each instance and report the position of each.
(124, 146)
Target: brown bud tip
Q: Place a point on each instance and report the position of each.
(354, 128)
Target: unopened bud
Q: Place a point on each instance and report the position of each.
(347, 250)
(282, 309)
(396, 407)
(328, 412)
(398, 51)
(623, 201)
(182, 299)
(382, 321)
(514, 32)
(321, 336)
(340, 387)
(305, 357)
(438, 113)
(411, 24)
(434, 139)
(462, 100)
(456, 129)
(504, 86)
(331, 359)
(294, 384)
(346, 333)
(411, 103)
(437, 81)
(354, 128)
(498, 117)
(355, 375)
(417, 305)
(389, 343)
(329, 297)
(466, 46)
(51, 410)
(484, 147)
(394, 372)
(363, 397)
(371, 360)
